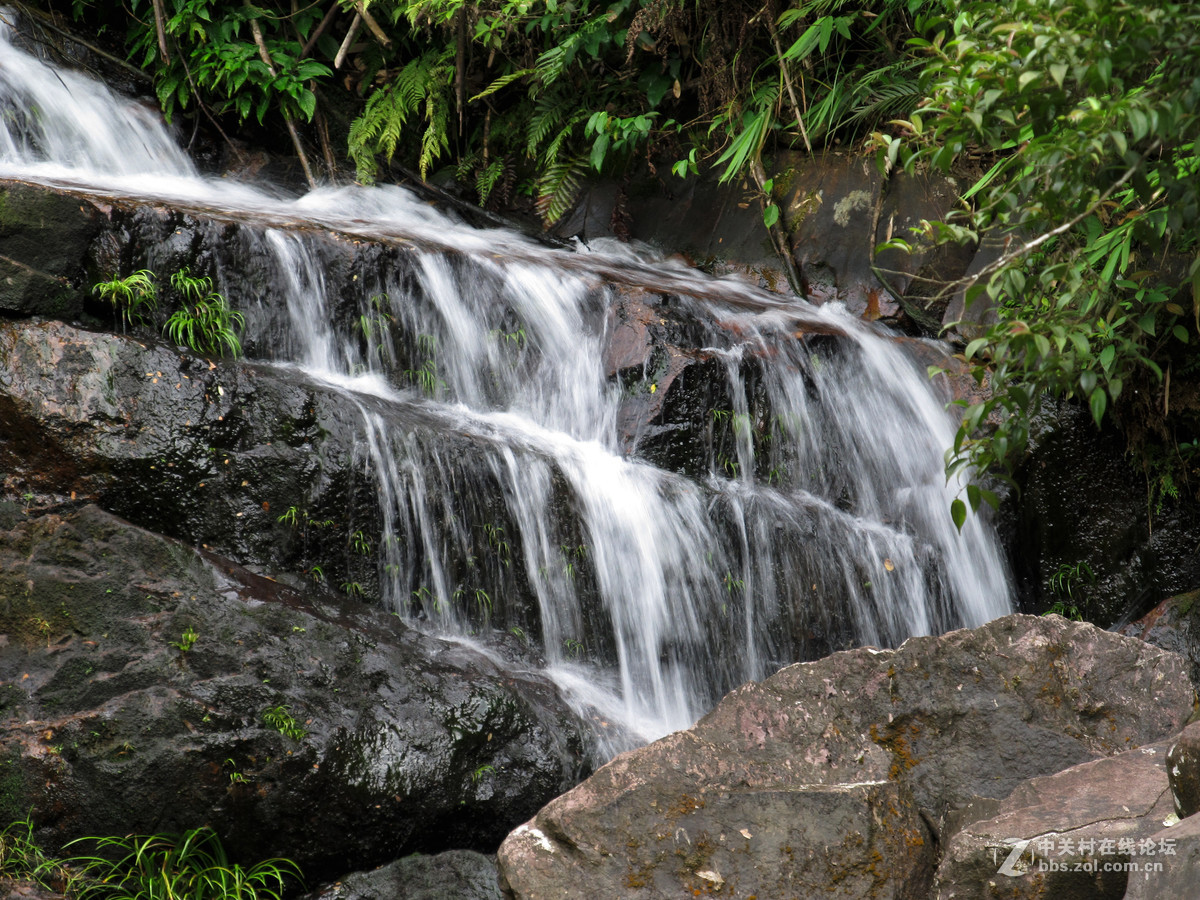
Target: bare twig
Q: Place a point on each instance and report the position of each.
(778, 237)
(46, 22)
(380, 34)
(1029, 246)
(355, 24)
(320, 29)
(265, 56)
(161, 31)
(787, 80)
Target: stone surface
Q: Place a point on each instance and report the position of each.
(1183, 771)
(453, 875)
(829, 207)
(1137, 552)
(404, 743)
(1068, 835)
(256, 462)
(44, 239)
(674, 822)
(1170, 873)
(11, 889)
(932, 727)
(1173, 625)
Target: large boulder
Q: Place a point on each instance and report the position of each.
(1071, 835)
(1169, 872)
(149, 686)
(257, 462)
(44, 240)
(210, 454)
(453, 875)
(849, 771)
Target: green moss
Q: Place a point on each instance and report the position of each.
(14, 793)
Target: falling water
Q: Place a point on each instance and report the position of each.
(808, 512)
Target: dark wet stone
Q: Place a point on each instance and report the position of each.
(395, 742)
(1083, 505)
(453, 875)
(44, 238)
(1183, 770)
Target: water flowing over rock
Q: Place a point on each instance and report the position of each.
(896, 750)
(461, 425)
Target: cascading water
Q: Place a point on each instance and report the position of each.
(809, 513)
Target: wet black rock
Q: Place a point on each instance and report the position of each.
(453, 875)
(44, 240)
(149, 686)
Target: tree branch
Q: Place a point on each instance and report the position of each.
(265, 56)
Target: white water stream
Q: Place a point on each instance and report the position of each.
(820, 517)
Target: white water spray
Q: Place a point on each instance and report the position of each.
(819, 517)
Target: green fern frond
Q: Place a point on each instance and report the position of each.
(554, 148)
(897, 97)
(377, 131)
(558, 188)
(501, 82)
(423, 85)
(485, 181)
(436, 139)
(548, 115)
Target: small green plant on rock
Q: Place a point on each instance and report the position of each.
(280, 718)
(22, 858)
(1066, 583)
(186, 641)
(130, 295)
(206, 323)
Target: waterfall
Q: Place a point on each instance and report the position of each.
(656, 564)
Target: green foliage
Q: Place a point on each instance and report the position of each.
(191, 866)
(1069, 578)
(533, 99)
(423, 87)
(1064, 609)
(157, 867)
(280, 718)
(214, 57)
(205, 323)
(187, 640)
(1087, 115)
(130, 295)
(22, 858)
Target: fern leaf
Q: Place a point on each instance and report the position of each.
(558, 188)
(547, 116)
(502, 81)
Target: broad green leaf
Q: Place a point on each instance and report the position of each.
(958, 512)
(1098, 401)
(1106, 357)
